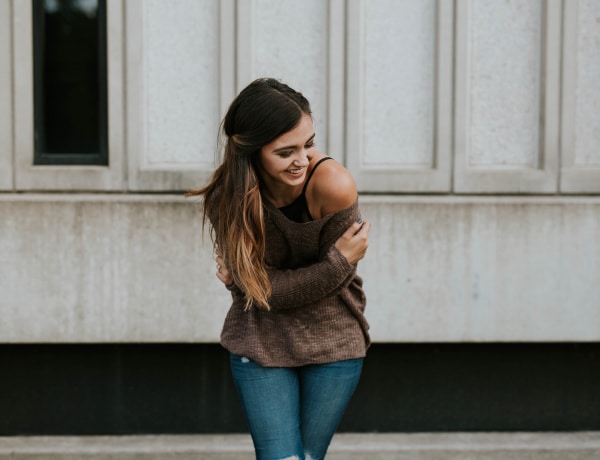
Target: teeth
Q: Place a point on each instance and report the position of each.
(294, 171)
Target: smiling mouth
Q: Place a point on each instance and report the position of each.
(295, 171)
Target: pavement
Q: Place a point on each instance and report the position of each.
(347, 446)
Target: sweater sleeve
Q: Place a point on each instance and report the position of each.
(301, 286)
(292, 288)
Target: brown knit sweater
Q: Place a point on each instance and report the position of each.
(317, 302)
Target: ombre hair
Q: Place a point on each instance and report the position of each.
(263, 111)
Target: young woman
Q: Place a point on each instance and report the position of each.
(285, 222)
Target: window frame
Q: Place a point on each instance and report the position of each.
(6, 123)
(43, 158)
(573, 179)
(142, 177)
(544, 178)
(332, 111)
(30, 176)
(387, 179)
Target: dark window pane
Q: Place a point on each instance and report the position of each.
(70, 81)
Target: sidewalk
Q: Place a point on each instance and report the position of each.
(389, 446)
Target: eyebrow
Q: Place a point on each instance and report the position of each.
(287, 147)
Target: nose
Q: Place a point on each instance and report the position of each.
(302, 159)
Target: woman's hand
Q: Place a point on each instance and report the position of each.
(354, 242)
(222, 272)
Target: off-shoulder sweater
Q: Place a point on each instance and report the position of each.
(317, 300)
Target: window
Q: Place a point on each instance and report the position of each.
(70, 82)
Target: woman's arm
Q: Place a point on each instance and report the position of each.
(297, 287)
(331, 189)
(345, 241)
(305, 285)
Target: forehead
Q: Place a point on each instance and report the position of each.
(296, 136)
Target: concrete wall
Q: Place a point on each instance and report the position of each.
(99, 268)
(471, 128)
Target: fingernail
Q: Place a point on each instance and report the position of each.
(359, 220)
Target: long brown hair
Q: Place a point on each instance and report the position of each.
(263, 111)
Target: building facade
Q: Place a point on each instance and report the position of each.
(472, 129)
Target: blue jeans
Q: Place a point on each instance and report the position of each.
(293, 413)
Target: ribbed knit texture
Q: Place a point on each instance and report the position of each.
(317, 303)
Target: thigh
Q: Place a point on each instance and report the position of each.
(270, 400)
(325, 391)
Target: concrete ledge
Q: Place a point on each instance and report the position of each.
(365, 198)
(133, 268)
(389, 446)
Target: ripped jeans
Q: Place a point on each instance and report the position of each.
(293, 413)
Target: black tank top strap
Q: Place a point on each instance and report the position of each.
(313, 171)
(298, 211)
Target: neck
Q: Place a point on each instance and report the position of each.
(280, 196)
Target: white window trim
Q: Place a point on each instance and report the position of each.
(336, 89)
(58, 177)
(141, 178)
(390, 179)
(573, 179)
(543, 179)
(244, 43)
(6, 127)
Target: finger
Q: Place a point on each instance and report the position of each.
(222, 272)
(353, 229)
(365, 227)
(222, 277)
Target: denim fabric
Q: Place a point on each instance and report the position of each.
(293, 413)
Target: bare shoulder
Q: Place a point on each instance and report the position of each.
(331, 189)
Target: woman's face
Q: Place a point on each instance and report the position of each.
(283, 162)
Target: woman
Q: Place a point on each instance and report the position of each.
(285, 222)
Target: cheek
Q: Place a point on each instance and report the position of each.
(273, 165)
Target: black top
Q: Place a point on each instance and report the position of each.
(298, 209)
